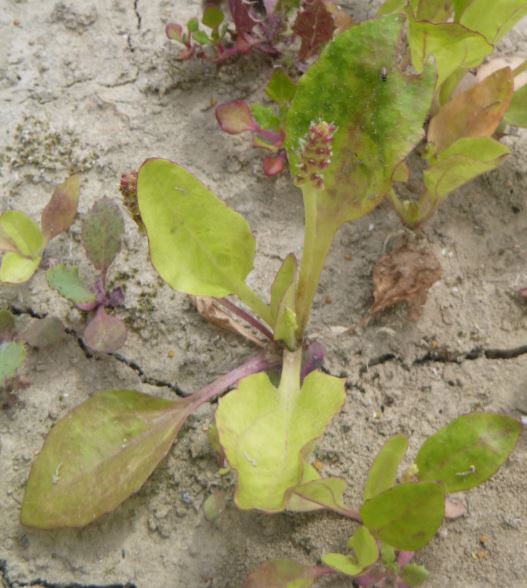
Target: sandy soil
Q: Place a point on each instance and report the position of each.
(94, 86)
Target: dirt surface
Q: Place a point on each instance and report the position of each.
(95, 87)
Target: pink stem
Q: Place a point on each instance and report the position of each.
(248, 318)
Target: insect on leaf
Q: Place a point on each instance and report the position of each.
(468, 451)
(98, 455)
(60, 211)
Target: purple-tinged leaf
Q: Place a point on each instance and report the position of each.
(174, 32)
(235, 117)
(115, 298)
(60, 211)
(105, 333)
(270, 6)
(98, 455)
(68, 283)
(102, 231)
(281, 573)
(43, 332)
(7, 326)
(274, 164)
(241, 16)
(315, 26)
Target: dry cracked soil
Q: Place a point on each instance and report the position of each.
(94, 86)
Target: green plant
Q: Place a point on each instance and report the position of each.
(22, 241)
(346, 135)
(398, 518)
(102, 230)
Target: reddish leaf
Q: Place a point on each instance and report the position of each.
(274, 164)
(60, 211)
(174, 32)
(315, 26)
(105, 333)
(241, 16)
(235, 117)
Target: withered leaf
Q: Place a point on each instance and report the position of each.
(405, 274)
(315, 27)
(476, 112)
(60, 211)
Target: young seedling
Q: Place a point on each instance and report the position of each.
(102, 230)
(347, 130)
(39, 333)
(399, 517)
(22, 241)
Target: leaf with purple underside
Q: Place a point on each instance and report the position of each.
(102, 231)
(60, 211)
(105, 333)
(235, 117)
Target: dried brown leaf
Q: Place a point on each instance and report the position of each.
(211, 310)
(60, 211)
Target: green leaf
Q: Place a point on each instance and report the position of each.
(414, 575)
(197, 244)
(383, 472)
(391, 7)
(516, 115)
(214, 504)
(16, 269)
(235, 117)
(60, 211)
(366, 553)
(102, 230)
(468, 451)
(286, 323)
(265, 117)
(281, 573)
(387, 554)
(201, 37)
(432, 10)
(493, 19)
(267, 431)
(192, 25)
(327, 493)
(12, 356)
(459, 7)
(297, 503)
(452, 45)
(461, 162)
(68, 283)
(378, 118)
(23, 232)
(406, 516)
(98, 455)
(282, 282)
(212, 17)
(281, 88)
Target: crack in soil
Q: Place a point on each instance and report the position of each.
(137, 14)
(8, 583)
(145, 379)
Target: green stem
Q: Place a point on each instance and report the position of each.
(318, 236)
(291, 365)
(520, 69)
(248, 296)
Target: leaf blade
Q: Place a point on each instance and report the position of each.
(383, 472)
(60, 211)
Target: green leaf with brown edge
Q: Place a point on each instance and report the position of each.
(23, 232)
(16, 269)
(197, 244)
(60, 211)
(383, 472)
(281, 88)
(516, 115)
(281, 573)
(366, 553)
(98, 455)
(12, 356)
(7, 326)
(67, 282)
(468, 451)
(406, 516)
(493, 19)
(102, 231)
(477, 112)
(457, 165)
(266, 432)
(452, 46)
(378, 118)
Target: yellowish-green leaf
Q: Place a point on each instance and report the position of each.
(365, 551)
(266, 432)
(282, 282)
(318, 493)
(517, 113)
(23, 232)
(197, 244)
(16, 269)
(98, 455)
(494, 18)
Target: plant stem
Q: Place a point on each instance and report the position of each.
(248, 318)
(520, 69)
(290, 379)
(255, 364)
(318, 236)
(253, 301)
